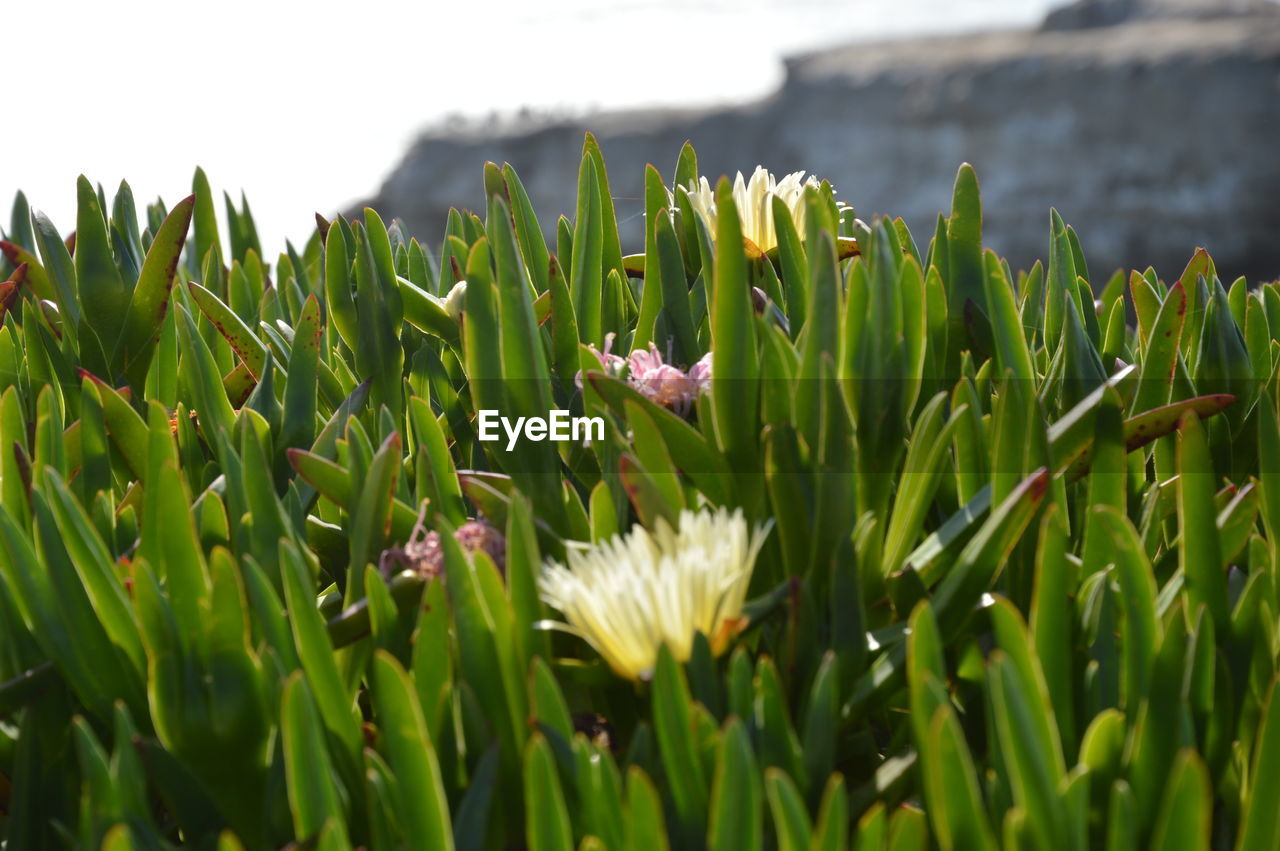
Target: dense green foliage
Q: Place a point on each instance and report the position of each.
(1020, 587)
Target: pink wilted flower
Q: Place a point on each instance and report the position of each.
(665, 384)
(611, 364)
(701, 372)
(654, 378)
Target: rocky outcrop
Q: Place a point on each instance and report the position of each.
(1152, 136)
(1105, 13)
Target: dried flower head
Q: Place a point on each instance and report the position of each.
(423, 554)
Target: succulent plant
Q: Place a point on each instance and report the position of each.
(1019, 584)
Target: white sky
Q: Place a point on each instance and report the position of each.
(307, 105)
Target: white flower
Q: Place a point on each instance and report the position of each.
(630, 595)
(754, 199)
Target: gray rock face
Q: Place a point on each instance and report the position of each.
(1152, 137)
(1105, 13)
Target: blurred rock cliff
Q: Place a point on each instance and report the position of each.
(1152, 125)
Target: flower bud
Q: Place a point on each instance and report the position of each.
(454, 301)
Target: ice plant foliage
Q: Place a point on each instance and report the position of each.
(632, 594)
(1019, 587)
(753, 199)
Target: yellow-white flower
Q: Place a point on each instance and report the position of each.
(754, 199)
(630, 595)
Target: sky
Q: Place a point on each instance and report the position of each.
(307, 106)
